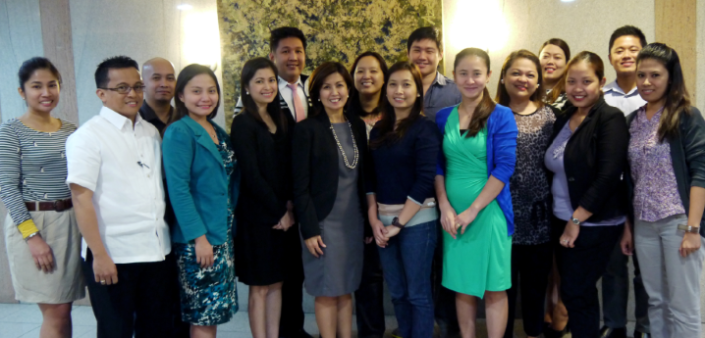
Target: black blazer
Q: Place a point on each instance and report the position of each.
(595, 158)
(265, 162)
(315, 168)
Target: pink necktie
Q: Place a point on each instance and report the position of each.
(299, 112)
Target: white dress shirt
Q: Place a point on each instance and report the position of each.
(122, 166)
(627, 103)
(289, 97)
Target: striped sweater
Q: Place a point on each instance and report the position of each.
(32, 166)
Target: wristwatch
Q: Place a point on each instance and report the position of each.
(31, 235)
(689, 228)
(575, 220)
(395, 222)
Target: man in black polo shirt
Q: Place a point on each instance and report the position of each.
(159, 80)
(160, 83)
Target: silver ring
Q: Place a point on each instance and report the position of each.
(564, 241)
(102, 282)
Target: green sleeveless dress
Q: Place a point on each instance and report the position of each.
(480, 259)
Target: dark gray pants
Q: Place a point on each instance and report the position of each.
(615, 293)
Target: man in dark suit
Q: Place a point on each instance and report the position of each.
(288, 52)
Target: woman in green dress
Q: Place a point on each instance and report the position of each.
(472, 185)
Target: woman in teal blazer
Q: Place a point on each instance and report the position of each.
(200, 170)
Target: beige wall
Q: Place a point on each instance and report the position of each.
(584, 24)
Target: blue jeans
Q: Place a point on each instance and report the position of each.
(406, 264)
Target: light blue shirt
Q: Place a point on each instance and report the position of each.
(627, 103)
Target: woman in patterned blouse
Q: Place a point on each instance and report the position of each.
(667, 167)
(554, 54)
(532, 252)
(40, 228)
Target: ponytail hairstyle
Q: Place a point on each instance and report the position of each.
(593, 60)
(248, 103)
(387, 133)
(677, 98)
(484, 109)
(559, 88)
(502, 93)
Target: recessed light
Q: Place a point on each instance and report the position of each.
(184, 7)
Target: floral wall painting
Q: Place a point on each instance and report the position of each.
(336, 30)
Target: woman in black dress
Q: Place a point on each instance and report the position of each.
(261, 136)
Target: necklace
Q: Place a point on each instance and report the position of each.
(356, 153)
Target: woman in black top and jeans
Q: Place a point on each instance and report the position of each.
(587, 156)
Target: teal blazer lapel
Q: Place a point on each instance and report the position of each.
(204, 139)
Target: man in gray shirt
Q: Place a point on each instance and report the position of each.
(425, 49)
(625, 44)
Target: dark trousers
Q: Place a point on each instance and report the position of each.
(180, 329)
(444, 299)
(531, 265)
(615, 293)
(369, 298)
(138, 304)
(580, 268)
(291, 323)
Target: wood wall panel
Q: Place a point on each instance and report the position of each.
(58, 47)
(676, 26)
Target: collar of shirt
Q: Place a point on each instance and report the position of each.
(150, 116)
(440, 80)
(284, 83)
(118, 120)
(614, 87)
(641, 116)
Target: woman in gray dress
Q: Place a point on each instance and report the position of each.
(329, 151)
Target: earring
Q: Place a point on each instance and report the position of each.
(319, 100)
(418, 95)
(502, 80)
(247, 93)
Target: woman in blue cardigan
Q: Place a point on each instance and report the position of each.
(199, 163)
(472, 186)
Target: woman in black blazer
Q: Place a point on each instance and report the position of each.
(587, 157)
(330, 149)
(261, 136)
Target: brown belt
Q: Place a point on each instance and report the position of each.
(59, 205)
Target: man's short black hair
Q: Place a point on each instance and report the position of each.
(283, 33)
(432, 33)
(115, 62)
(624, 31)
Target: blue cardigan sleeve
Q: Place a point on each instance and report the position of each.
(502, 129)
(178, 149)
(441, 119)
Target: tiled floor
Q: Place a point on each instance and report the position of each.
(24, 320)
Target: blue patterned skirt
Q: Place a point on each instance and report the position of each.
(208, 296)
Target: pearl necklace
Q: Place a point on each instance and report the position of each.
(356, 153)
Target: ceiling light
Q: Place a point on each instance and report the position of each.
(184, 7)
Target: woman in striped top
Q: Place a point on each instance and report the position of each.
(40, 228)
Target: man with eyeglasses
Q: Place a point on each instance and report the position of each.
(114, 172)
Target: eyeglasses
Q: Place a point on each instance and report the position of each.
(124, 89)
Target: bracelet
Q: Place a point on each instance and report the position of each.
(689, 228)
(31, 235)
